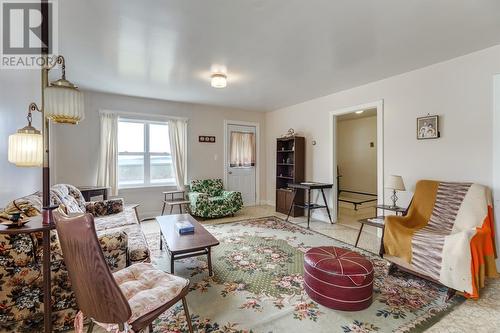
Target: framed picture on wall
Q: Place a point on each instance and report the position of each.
(206, 138)
(428, 127)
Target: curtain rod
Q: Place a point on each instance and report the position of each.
(137, 114)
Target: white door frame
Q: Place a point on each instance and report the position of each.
(379, 105)
(257, 153)
(496, 157)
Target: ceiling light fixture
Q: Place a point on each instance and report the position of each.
(218, 80)
(360, 111)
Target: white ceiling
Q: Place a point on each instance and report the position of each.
(276, 53)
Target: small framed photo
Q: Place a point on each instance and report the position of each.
(428, 127)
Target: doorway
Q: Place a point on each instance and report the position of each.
(356, 165)
(357, 161)
(241, 164)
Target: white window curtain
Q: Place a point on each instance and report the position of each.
(107, 168)
(177, 130)
(242, 149)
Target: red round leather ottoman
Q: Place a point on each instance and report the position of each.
(338, 278)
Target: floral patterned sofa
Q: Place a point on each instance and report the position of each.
(208, 199)
(21, 296)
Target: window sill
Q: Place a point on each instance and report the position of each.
(144, 187)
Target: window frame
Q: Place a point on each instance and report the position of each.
(146, 154)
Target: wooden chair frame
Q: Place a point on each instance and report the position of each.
(97, 293)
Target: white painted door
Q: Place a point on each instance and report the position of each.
(241, 161)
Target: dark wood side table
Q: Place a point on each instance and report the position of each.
(198, 243)
(35, 225)
(398, 210)
(173, 201)
(377, 224)
(93, 191)
(308, 187)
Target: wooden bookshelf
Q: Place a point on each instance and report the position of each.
(290, 168)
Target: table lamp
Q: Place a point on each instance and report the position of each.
(395, 183)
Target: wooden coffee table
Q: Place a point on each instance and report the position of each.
(185, 246)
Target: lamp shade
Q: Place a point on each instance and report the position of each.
(64, 104)
(395, 183)
(26, 149)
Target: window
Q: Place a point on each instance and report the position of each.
(144, 154)
(242, 150)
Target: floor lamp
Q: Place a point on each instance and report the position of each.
(61, 102)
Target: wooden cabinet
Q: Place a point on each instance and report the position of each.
(290, 168)
(283, 200)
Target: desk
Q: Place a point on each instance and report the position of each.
(308, 187)
(35, 225)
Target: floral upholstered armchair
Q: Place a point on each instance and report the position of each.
(208, 199)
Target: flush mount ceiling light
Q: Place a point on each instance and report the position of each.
(360, 111)
(218, 80)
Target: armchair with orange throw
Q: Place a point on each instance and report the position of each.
(447, 235)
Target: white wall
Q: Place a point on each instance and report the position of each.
(356, 159)
(18, 88)
(459, 90)
(76, 147)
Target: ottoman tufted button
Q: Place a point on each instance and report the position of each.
(338, 278)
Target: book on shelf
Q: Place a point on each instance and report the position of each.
(184, 227)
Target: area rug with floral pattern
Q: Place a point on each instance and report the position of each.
(257, 287)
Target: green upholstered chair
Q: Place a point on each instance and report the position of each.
(208, 199)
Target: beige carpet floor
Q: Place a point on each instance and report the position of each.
(482, 316)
